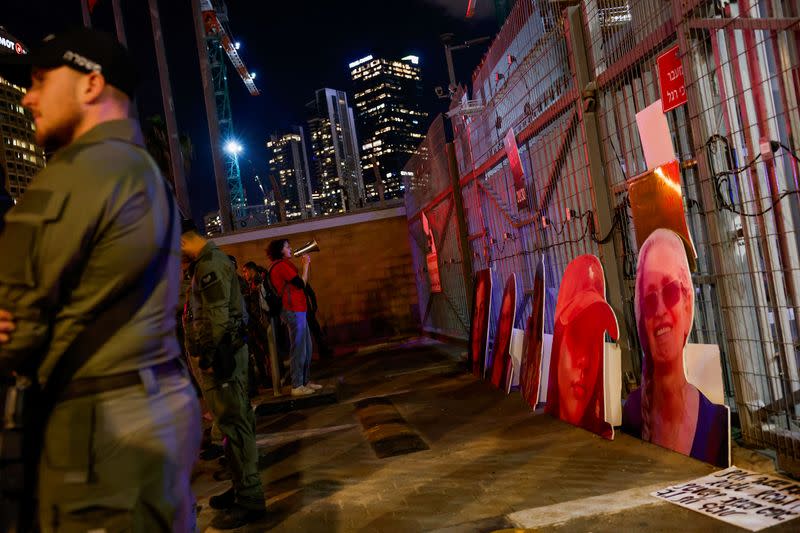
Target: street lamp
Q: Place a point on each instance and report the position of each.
(233, 147)
(447, 40)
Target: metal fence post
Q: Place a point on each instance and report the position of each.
(609, 257)
(461, 222)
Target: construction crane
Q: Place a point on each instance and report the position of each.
(219, 45)
(501, 9)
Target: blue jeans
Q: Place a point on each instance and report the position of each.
(300, 339)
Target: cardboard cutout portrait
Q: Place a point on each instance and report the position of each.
(479, 324)
(501, 358)
(575, 389)
(530, 373)
(668, 410)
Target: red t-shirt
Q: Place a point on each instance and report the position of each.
(283, 271)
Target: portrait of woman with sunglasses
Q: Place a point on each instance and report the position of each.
(668, 410)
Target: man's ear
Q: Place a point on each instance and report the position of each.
(91, 87)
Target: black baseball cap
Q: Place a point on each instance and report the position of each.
(83, 49)
(187, 225)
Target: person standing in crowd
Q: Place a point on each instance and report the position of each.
(289, 284)
(324, 349)
(214, 329)
(258, 327)
(96, 230)
(252, 371)
(242, 281)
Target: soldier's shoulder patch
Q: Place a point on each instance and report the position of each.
(211, 287)
(208, 279)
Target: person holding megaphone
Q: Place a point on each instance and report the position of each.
(289, 283)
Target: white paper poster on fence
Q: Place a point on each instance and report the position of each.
(654, 133)
(746, 499)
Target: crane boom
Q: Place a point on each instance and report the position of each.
(470, 8)
(214, 28)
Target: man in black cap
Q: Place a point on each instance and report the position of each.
(213, 322)
(95, 241)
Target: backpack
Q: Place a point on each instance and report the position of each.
(273, 299)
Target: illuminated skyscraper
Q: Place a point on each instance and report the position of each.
(391, 123)
(339, 185)
(20, 158)
(288, 164)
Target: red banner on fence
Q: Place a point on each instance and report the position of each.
(670, 79)
(432, 256)
(512, 152)
(433, 272)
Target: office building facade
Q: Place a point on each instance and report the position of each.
(20, 157)
(288, 165)
(339, 185)
(391, 124)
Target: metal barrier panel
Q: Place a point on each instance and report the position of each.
(626, 39)
(741, 67)
(429, 191)
(737, 143)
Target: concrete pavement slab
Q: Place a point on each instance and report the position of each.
(489, 457)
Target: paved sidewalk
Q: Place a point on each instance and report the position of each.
(492, 464)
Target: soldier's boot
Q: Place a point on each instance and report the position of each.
(211, 452)
(237, 516)
(224, 500)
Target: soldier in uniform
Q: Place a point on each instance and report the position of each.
(214, 329)
(93, 225)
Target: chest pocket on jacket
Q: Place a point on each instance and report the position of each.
(24, 226)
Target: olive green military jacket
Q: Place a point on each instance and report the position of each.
(214, 304)
(88, 225)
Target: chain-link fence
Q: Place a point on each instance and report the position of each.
(435, 247)
(569, 83)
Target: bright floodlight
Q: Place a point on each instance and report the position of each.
(238, 45)
(253, 75)
(233, 147)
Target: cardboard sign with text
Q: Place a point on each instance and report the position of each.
(745, 499)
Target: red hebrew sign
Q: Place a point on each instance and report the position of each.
(670, 79)
(512, 152)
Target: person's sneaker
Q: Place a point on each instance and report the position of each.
(313, 386)
(224, 500)
(237, 516)
(302, 391)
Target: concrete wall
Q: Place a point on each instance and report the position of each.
(362, 276)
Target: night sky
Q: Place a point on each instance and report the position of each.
(295, 47)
